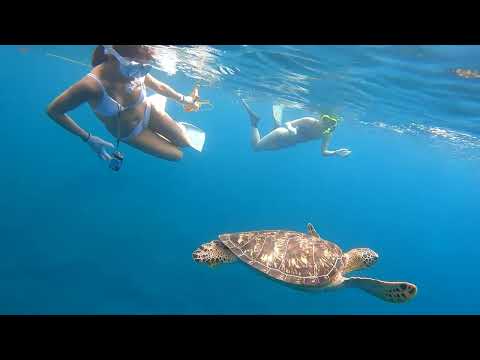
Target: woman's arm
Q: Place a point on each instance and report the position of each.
(70, 99)
(165, 90)
(325, 152)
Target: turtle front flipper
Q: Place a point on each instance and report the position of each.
(390, 291)
(311, 231)
(213, 253)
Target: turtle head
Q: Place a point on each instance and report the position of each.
(359, 258)
(213, 253)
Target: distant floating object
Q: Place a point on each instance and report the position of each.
(23, 50)
(468, 74)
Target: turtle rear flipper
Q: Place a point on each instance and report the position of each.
(213, 253)
(391, 291)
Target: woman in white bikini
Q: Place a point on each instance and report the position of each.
(294, 132)
(115, 89)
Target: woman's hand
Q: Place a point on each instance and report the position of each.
(100, 146)
(188, 100)
(342, 152)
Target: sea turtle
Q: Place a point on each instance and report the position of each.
(302, 260)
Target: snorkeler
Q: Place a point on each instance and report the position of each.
(115, 89)
(294, 132)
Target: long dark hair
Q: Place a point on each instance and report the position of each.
(131, 51)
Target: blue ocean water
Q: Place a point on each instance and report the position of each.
(77, 238)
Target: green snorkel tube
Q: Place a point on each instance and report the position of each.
(335, 121)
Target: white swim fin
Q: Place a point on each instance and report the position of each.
(195, 135)
(277, 110)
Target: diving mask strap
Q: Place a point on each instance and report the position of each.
(117, 120)
(109, 50)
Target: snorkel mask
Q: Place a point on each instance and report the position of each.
(332, 121)
(129, 68)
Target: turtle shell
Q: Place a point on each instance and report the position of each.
(288, 256)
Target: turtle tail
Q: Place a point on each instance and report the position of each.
(213, 253)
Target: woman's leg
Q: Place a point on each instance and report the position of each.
(269, 141)
(153, 144)
(274, 140)
(163, 124)
(254, 119)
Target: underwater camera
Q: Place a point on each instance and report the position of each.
(116, 161)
